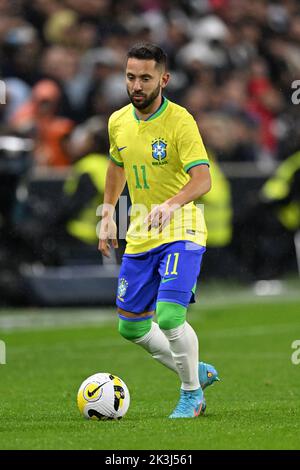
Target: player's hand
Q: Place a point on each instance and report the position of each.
(107, 236)
(160, 216)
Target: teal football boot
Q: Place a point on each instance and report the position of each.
(191, 404)
(207, 375)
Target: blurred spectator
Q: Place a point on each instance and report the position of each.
(84, 188)
(266, 103)
(60, 28)
(38, 118)
(106, 86)
(61, 64)
(282, 191)
(17, 93)
(21, 51)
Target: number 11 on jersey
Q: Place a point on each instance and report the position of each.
(138, 184)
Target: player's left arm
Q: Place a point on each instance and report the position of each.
(195, 162)
(198, 185)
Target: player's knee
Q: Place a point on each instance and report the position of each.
(170, 315)
(132, 330)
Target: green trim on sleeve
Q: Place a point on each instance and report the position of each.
(115, 161)
(195, 163)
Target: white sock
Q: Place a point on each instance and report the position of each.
(156, 343)
(184, 349)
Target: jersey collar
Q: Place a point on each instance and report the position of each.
(157, 113)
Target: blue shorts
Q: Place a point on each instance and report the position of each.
(167, 273)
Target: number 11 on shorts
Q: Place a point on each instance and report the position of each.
(175, 264)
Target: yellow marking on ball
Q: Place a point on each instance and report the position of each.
(81, 402)
(117, 381)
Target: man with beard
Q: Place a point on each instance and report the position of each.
(155, 146)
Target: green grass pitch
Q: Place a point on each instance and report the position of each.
(255, 406)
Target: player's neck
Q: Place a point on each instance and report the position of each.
(144, 114)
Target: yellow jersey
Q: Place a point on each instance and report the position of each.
(156, 155)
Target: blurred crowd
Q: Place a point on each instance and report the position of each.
(232, 62)
(235, 65)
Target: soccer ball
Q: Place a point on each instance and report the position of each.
(103, 396)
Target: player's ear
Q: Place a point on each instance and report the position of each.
(164, 79)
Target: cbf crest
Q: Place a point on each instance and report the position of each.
(159, 151)
(122, 288)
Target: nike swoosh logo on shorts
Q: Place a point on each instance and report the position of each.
(169, 279)
(122, 148)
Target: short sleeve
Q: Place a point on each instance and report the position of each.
(189, 144)
(114, 153)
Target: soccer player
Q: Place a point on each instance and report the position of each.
(156, 147)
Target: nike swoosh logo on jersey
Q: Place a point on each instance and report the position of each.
(169, 279)
(122, 148)
(92, 393)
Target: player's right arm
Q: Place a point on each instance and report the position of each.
(114, 185)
